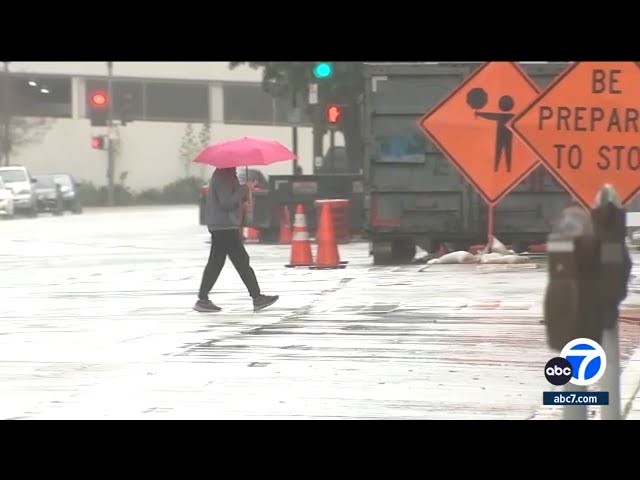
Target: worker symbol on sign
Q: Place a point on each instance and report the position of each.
(477, 98)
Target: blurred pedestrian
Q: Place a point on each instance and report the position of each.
(223, 214)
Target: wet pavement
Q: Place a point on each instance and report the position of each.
(96, 322)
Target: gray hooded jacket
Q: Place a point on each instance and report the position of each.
(224, 201)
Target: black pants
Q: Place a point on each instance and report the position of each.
(227, 243)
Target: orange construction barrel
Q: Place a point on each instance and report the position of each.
(340, 214)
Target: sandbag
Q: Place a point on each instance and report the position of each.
(420, 256)
(497, 247)
(455, 257)
(497, 258)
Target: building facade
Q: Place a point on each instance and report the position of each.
(177, 107)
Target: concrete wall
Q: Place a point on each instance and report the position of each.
(149, 151)
(170, 70)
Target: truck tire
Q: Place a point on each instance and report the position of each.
(381, 252)
(519, 246)
(269, 235)
(403, 249)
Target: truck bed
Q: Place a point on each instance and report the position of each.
(413, 194)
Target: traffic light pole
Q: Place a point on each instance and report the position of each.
(110, 152)
(332, 148)
(6, 116)
(294, 131)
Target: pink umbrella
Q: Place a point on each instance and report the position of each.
(244, 152)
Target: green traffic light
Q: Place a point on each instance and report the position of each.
(323, 70)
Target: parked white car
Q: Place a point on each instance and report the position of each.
(6, 201)
(18, 179)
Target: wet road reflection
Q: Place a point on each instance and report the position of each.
(97, 323)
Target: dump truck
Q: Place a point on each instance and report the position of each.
(414, 196)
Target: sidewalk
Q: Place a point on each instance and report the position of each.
(630, 382)
(631, 388)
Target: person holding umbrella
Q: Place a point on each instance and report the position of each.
(223, 214)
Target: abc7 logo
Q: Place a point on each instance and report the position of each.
(582, 362)
(558, 371)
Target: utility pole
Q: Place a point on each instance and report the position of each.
(6, 115)
(110, 152)
(294, 130)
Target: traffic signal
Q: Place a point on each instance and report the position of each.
(334, 114)
(99, 142)
(322, 70)
(98, 108)
(126, 107)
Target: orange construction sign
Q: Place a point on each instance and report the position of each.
(585, 128)
(471, 127)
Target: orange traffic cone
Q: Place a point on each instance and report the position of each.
(285, 226)
(300, 244)
(251, 234)
(327, 256)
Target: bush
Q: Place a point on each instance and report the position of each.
(185, 190)
(90, 195)
(182, 191)
(152, 196)
(122, 196)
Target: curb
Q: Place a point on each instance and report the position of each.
(630, 384)
(505, 267)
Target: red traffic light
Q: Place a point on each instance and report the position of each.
(99, 99)
(334, 113)
(97, 143)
